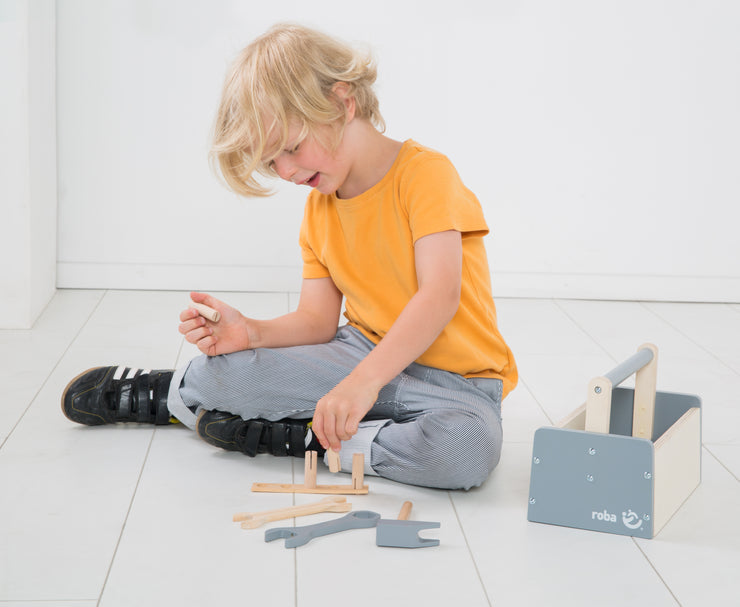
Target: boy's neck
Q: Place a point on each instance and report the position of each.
(372, 154)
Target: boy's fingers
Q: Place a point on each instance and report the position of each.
(317, 427)
(330, 432)
(351, 427)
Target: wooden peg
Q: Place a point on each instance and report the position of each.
(358, 470)
(206, 311)
(309, 479)
(335, 465)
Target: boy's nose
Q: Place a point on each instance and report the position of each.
(284, 168)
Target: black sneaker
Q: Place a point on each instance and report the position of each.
(106, 395)
(231, 432)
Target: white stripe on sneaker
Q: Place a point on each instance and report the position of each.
(119, 372)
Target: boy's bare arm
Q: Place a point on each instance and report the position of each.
(314, 321)
(439, 274)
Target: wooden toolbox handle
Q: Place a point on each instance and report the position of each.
(644, 364)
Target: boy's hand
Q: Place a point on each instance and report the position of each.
(339, 413)
(229, 334)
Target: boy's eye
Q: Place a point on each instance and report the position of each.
(294, 149)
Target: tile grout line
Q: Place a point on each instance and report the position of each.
(470, 551)
(295, 550)
(691, 339)
(582, 330)
(523, 382)
(125, 519)
(720, 462)
(51, 371)
(660, 577)
(556, 302)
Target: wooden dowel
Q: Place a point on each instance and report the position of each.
(358, 470)
(309, 479)
(206, 311)
(335, 465)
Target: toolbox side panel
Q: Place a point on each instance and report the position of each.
(601, 482)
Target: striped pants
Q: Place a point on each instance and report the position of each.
(428, 427)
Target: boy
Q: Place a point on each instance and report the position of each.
(416, 378)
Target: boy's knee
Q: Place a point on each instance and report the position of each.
(472, 450)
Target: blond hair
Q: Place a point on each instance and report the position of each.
(286, 75)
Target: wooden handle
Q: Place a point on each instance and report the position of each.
(329, 504)
(206, 311)
(643, 413)
(405, 511)
(599, 394)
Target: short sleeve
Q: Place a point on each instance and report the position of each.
(312, 266)
(436, 200)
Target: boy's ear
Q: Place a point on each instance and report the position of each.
(342, 91)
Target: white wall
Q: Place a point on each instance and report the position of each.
(601, 138)
(27, 160)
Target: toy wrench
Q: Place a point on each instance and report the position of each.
(298, 536)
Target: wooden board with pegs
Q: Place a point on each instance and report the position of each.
(357, 487)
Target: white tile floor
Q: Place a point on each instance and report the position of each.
(133, 515)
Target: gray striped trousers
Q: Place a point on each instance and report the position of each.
(428, 427)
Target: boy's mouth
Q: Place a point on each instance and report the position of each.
(313, 181)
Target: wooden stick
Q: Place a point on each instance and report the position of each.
(309, 480)
(405, 511)
(335, 465)
(328, 504)
(206, 311)
(246, 516)
(358, 470)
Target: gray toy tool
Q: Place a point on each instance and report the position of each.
(403, 533)
(297, 536)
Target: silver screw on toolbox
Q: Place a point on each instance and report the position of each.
(597, 389)
(590, 478)
(536, 460)
(592, 451)
(647, 476)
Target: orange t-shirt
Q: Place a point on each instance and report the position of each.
(366, 245)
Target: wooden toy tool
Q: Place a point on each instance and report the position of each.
(252, 520)
(309, 483)
(403, 533)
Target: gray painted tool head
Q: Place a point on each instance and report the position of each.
(403, 534)
(298, 536)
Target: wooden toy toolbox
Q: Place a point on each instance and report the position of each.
(624, 461)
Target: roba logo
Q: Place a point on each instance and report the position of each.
(604, 516)
(630, 519)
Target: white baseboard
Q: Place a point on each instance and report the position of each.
(172, 277)
(617, 287)
(505, 284)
